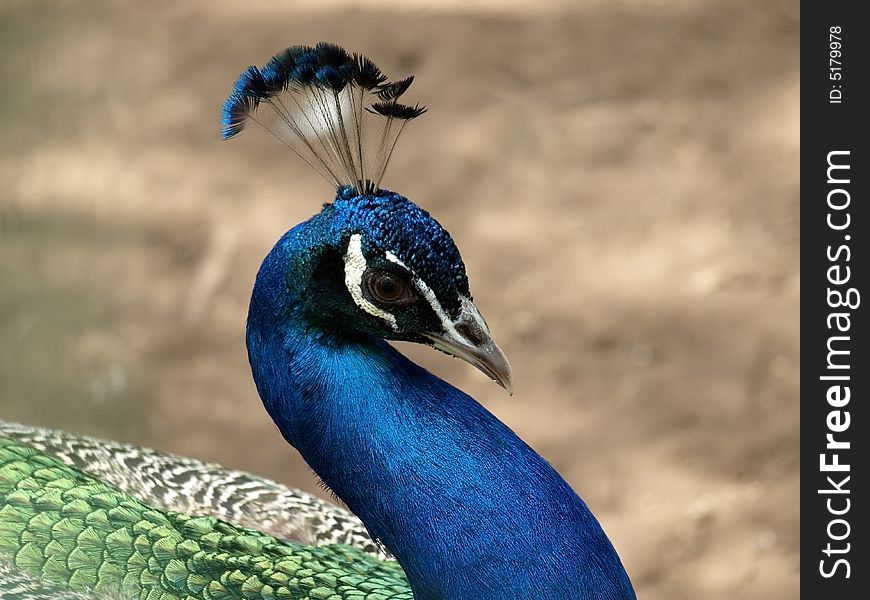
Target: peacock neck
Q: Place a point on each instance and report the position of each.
(466, 507)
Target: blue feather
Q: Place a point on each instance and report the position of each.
(250, 88)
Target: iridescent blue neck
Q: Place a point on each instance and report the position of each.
(467, 508)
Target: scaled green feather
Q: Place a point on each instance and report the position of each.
(61, 527)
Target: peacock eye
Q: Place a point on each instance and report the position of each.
(386, 289)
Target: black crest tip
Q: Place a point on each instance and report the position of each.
(398, 111)
(367, 74)
(392, 90)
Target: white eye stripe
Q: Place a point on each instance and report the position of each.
(446, 322)
(395, 259)
(354, 267)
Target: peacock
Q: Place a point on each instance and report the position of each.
(447, 502)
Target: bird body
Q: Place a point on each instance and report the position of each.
(465, 506)
(468, 510)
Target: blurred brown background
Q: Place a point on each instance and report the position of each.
(621, 177)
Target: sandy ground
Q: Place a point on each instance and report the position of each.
(621, 177)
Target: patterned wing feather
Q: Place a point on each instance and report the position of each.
(63, 528)
(171, 482)
(17, 585)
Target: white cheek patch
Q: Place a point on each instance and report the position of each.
(448, 324)
(354, 267)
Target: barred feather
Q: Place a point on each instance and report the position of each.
(180, 484)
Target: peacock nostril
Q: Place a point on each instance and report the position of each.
(471, 333)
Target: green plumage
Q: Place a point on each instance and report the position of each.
(62, 527)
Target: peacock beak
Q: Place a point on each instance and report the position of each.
(470, 340)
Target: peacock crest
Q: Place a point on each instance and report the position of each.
(336, 110)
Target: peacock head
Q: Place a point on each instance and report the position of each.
(374, 263)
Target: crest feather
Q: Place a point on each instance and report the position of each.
(319, 101)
